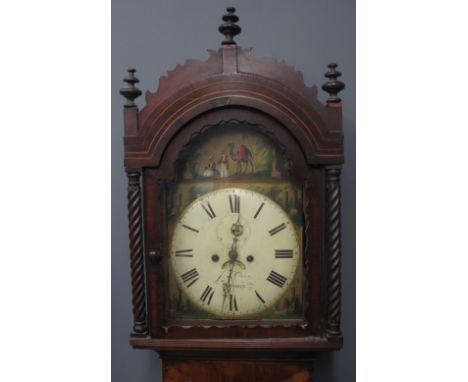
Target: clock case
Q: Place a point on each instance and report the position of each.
(231, 86)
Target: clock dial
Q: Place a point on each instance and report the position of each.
(234, 252)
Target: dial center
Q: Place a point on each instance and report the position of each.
(233, 254)
(237, 229)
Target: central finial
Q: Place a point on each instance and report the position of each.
(229, 28)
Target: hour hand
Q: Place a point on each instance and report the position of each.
(234, 263)
(239, 263)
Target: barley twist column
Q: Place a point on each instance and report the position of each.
(136, 254)
(333, 251)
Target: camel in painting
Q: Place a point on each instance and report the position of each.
(242, 155)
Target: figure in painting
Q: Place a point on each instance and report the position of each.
(207, 171)
(223, 165)
(241, 156)
(210, 169)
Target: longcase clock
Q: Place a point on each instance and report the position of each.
(234, 217)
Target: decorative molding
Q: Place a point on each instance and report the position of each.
(280, 71)
(184, 78)
(135, 226)
(194, 71)
(308, 344)
(191, 71)
(207, 324)
(333, 251)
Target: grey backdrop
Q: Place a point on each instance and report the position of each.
(156, 35)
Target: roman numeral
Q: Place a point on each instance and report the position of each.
(283, 253)
(258, 211)
(209, 210)
(234, 203)
(277, 279)
(184, 253)
(190, 277)
(207, 294)
(190, 228)
(232, 302)
(275, 230)
(259, 297)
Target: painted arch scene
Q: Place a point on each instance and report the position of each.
(236, 150)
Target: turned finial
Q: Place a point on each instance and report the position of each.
(333, 86)
(229, 28)
(130, 92)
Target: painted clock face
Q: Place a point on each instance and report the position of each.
(234, 253)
